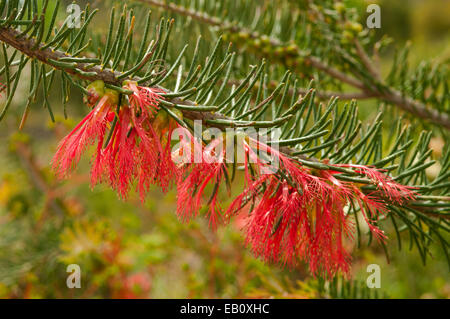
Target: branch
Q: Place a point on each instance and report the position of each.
(324, 95)
(30, 48)
(389, 95)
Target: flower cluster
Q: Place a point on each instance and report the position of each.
(137, 148)
(90, 130)
(302, 215)
(197, 174)
(298, 213)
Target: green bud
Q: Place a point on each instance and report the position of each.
(178, 113)
(357, 27)
(126, 82)
(279, 51)
(243, 35)
(96, 90)
(339, 7)
(161, 121)
(265, 39)
(292, 48)
(97, 87)
(347, 36)
(113, 96)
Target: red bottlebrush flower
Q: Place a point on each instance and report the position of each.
(153, 151)
(394, 191)
(298, 214)
(301, 215)
(144, 99)
(197, 176)
(138, 149)
(118, 157)
(91, 129)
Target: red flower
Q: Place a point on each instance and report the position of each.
(394, 191)
(118, 161)
(299, 215)
(139, 146)
(90, 130)
(152, 148)
(192, 183)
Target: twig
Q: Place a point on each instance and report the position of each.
(391, 95)
(27, 46)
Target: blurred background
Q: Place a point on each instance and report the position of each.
(129, 250)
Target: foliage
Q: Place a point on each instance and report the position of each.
(325, 139)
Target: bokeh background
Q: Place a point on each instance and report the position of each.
(128, 250)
